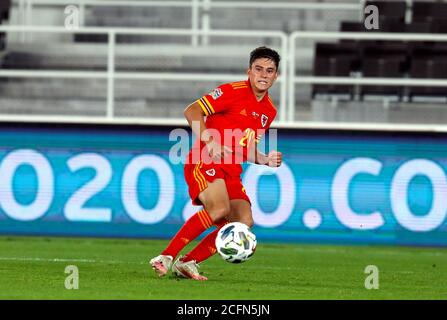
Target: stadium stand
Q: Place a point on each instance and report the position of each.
(394, 59)
(335, 60)
(429, 11)
(383, 59)
(428, 62)
(163, 98)
(5, 6)
(148, 53)
(390, 10)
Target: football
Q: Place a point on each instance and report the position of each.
(235, 242)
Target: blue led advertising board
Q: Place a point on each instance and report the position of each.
(334, 186)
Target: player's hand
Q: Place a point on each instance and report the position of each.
(217, 151)
(274, 159)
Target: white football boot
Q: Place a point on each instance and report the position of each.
(161, 264)
(189, 270)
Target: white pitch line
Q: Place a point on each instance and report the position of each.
(380, 251)
(111, 262)
(65, 260)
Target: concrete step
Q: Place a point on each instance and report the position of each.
(375, 111)
(97, 89)
(172, 58)
(90, 107)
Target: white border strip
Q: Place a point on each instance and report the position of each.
(183, 123)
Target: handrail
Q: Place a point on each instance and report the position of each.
(26, 8)
(111, 74)
(287, 80)
(181, 122)
(142, 31)
(200, 9)
(287, 5)
(293, 79)
(212, 4)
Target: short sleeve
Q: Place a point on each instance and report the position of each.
(217, 101)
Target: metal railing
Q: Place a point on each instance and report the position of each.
(288, 49)
(26, 8)
(294, 79)
(200, 10)
(111, 75)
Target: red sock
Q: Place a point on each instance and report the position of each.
(188, 232)
(206, 248)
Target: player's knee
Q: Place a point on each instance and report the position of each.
(249, 222)
(219, 212)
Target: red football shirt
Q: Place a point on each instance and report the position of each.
(237, 119)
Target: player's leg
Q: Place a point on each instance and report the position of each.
(213, 196)
(240, 211)
(187, 266)
(216, 203)
(240, 205)
(216, 206)
(207, 247)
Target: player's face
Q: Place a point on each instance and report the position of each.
(262, 74)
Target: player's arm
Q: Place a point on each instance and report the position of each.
(272, 159)
(196, 120)
(255, 156)
(195, 116)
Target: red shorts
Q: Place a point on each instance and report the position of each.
(198, 175)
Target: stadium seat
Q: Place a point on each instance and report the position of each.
(429, 62)
(388, 60)
(351, 26)
(429, 11)
(419, 27)
(439, 25)
(391, 19)
(429, 69)
(5, 6)
(390, 10)
(334, 60)
(95, 38)
(391, 25)
(387, 49)
(385, 25)
(382, 68)
(437, 51)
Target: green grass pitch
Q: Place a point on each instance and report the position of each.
(34, 268)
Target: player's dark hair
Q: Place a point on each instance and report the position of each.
(265, 52)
